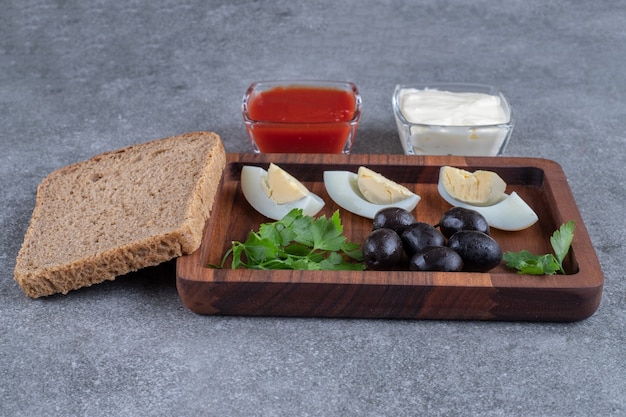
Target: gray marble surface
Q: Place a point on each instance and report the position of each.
(79, 78)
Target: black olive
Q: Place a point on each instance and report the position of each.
(394, 218)
(480, 252)
(436, 258)
(418, 235)
(459, 218)
(382, 249)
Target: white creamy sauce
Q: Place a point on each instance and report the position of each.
(448, 123)
(446, 108)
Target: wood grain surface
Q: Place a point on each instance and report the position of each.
(500, 294)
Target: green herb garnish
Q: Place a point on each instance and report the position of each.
(528, 263)
(297, 242)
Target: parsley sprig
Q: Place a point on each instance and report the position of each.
(297, 242)
(548, 264)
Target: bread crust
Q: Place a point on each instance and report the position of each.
(118, 212)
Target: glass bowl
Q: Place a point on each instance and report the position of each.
(301, 116)
(452, 124)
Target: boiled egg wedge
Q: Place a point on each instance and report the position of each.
(277, 194)
(344, 188)
(510, 213)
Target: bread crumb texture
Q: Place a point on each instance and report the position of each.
(118, 212)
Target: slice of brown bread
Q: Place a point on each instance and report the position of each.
(118, 212)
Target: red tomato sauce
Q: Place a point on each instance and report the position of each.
(302, 119)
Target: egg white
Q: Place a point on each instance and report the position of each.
(343, 188)
(251, 177)
(511, 213)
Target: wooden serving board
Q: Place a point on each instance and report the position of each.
(500, 294)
